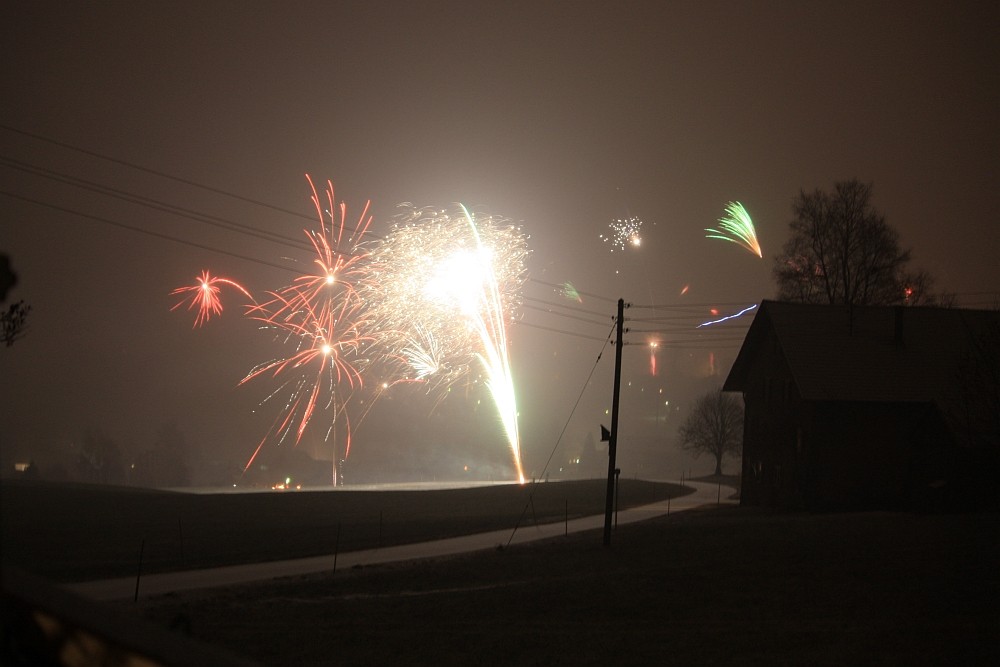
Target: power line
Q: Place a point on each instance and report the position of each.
(570, 307)
(168, 237)
(154, 204)
(177, 210)
(217, 221)
(196, 216)
(693, 344)
(154, 172)
(140, 230)
(565, 315)
(693, 308)
(522, 323)
(562, 287)
(671, 330)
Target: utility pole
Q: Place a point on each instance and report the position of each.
(613, 440)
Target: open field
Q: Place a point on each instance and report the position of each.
(79, 532)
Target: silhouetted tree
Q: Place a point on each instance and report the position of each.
(14, 320)
(715, 427)
(842, 251)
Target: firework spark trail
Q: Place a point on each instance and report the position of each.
(624, 231)
(737, 227)
(727, 317)
(449, 282)
(204, 296)
(493, 334)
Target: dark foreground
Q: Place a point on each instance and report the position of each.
(720, 586)
(726, 586)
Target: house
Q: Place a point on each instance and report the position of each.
(870, 407)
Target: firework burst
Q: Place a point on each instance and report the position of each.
(737, 227)
(448, 283)
(429, 304)
(321, 318)
(624, 231)
(204, 296)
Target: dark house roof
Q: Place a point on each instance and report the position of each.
(869, 353)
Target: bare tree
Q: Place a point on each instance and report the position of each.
(715, 427)
(842, 251)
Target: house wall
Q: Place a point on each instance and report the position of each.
(772, 455)
(857, 458)
(848, 455)
(828, 455)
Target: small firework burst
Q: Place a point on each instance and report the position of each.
(624, 231)
(203, 296)
(571, 293)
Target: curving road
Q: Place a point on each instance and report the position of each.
(124, 588)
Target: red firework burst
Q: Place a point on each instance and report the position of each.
(204, 296)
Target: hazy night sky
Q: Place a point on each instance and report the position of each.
(561, 116)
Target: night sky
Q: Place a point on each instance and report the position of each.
(561, 116)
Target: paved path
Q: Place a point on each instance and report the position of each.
(124, 588)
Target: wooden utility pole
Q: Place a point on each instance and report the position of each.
(613, 440)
